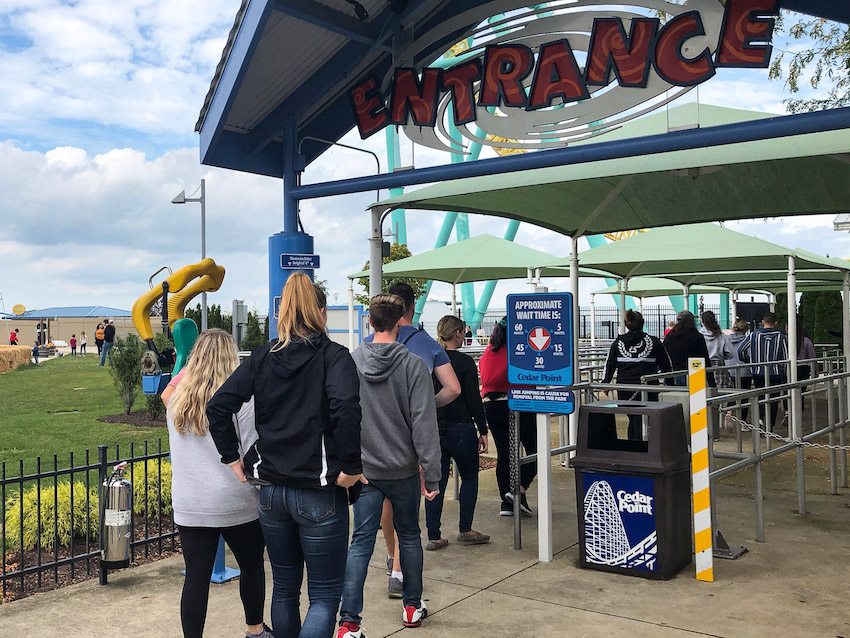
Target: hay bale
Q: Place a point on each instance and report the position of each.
(13, 356)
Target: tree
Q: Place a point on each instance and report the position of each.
(781, 309)
(125, 366)
(254, 335)
(808, 302)
(215, 317)
(828, 59)
(397, 251)
(828, 317)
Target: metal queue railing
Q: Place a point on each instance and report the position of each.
(829, 379)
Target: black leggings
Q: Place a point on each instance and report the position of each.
(497, 418)
(199, 547)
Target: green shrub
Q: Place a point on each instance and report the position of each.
(828, 317)
(61, 525)
(155, 500)
(126, 367)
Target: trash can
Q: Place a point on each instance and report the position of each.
(633, 496)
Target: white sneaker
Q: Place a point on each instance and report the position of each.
(412, 617)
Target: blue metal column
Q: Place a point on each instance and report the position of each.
(725, 316)
(292, 240)
(467, 291)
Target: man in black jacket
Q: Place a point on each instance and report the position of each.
(108, 339)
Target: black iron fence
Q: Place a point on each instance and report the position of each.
(50, 521)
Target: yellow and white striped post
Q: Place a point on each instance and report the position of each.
(699, 468)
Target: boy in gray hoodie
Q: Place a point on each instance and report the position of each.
(398, 435)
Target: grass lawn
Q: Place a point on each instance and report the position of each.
(53, 409)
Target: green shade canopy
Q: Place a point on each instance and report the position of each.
(697, 248)
(648, 287)
(478, 258)
(795, 175)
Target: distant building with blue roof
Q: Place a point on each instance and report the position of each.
(65, 321)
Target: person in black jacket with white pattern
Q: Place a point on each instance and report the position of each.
(632, 356)
(307, 405)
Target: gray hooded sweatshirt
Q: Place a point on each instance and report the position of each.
(398, 433)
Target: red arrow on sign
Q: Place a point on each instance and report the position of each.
(539, 339)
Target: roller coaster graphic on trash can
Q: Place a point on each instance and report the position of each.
(619, 521)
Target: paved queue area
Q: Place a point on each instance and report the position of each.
(795, 584)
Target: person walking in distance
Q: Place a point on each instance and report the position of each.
(307, 402)
(13, 337)
(73, 343)
(399, 436)
(98, 338)
(742, 377)
(719, 349)
(208, 500)
(437, 361)
(82, 344)
(459, 440)
(108, 340)
(684, 342)
(493, 366)
(35, 351)
(763, 348)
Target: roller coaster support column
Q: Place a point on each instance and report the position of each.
(398, 217)
(292, 241)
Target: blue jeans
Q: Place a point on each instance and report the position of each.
(404, 496)
(107, 345)
(305, 525)
(460, 442)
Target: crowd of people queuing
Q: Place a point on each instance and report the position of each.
(742, 359)
(271, 453)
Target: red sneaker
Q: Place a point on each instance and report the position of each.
(413, 617)
(350, 630)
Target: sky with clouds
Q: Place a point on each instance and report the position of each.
(99, 104)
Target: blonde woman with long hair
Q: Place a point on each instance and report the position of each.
(307, 399)
(459, 440)
(208, 500)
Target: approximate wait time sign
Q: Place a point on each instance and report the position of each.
(540, 351)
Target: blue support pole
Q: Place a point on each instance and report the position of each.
(292, 240)
(467, 291)
(221, 573)
(725, 315)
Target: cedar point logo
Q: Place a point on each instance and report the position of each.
(543, 76)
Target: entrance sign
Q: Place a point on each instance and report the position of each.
(543, 400)
(299, 262)
(684, 51)
(540, 339)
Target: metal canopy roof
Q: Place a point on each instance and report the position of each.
(697, 248)
(480, 258)
(794, 175)
(649, 287)
(296, 59)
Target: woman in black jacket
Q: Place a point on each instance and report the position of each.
(632, 356)
(684, 342)
(307, 405)
(459, 440)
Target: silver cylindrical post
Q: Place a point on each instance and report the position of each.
(757, 478)
(842, 433)
(833, 456)
(513, 438)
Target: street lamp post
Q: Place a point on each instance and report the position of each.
(182, 199)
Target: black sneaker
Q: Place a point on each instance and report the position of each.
(507, 509)
(524, 507)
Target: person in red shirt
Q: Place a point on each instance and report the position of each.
(493, 367)
(73, 345)
(13, 337)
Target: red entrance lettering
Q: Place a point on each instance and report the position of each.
(670, 62)
(415, 97)
(505, 67)
(369, 110)
(460, 80)
(746, 22)
(557, 75)
(628, 55)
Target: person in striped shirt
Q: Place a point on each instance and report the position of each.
(767, 349)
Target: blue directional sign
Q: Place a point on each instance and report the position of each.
(299, 262)
(540, 339)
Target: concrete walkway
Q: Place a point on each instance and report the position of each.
(795, 584)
